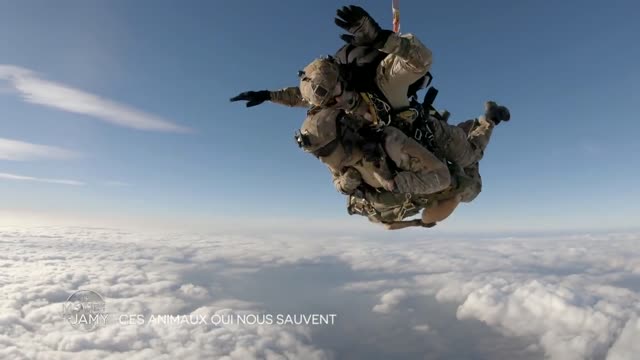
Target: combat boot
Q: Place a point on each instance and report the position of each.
(496, 113)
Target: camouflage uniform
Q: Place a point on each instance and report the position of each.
(466, 143)
(353, 174)
(289, 97)
(408, 61)
(463, 144)
(468, 148)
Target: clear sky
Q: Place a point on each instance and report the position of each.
(127, 103)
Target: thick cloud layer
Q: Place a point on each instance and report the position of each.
(41, 269)
(566, 297)
(575, 296)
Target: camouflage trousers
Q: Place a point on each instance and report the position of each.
(420, 171)
(387, 207)
(462, 144)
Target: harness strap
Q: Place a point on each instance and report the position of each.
(361, 206)
(372, 108)
(408, 205)
(378, 108)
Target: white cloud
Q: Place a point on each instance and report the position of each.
(627, 346)
(390, 300)
(194, 291)
(23, 151)
(7, 176)
(566, 292)
(571, 297)
(35, 90)
(570, 324)
(135, 275)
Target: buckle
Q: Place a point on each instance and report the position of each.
(358, 207)
(418, 135)
(408, 206)
(371, 211)
(350, 205)
(401, 214)
(409, 115)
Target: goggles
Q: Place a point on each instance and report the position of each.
(328, 97)
(304, 143)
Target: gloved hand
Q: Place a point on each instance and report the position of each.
(363, 29)
(496, 113)
(253, 98)
(348, 181)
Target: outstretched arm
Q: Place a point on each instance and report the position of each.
(407, 62)
(411, 55)
(288, 96)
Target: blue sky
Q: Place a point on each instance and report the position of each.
(568, 72)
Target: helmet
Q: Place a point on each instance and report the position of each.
(319, 132)
(318, 81)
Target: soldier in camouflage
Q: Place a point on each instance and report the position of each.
(324, 84)
(322, 135)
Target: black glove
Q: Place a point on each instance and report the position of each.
(364, 30)
(253, 98)
(372, 152)
(496, 113)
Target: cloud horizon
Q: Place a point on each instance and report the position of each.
(564, 298)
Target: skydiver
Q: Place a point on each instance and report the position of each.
(326, 139)
(326, 135)
(324, 84)
(389, 206)
(407, 61)
(327, 83)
